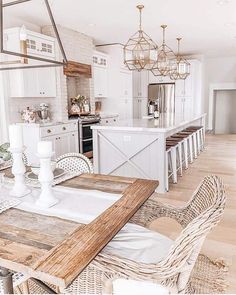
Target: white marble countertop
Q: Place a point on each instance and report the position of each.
(47, 124)
(165, 123)
(105, 115)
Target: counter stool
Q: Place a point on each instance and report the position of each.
(200, 136)
(192, 144)
(185, 139)
(176, 154)
(171, 167)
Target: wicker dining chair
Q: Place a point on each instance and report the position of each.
(198, 218)
(74, 162)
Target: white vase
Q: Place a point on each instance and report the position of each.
(46, 198)
(18, 170)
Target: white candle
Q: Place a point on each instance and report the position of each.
(15, 137)
(45, 148)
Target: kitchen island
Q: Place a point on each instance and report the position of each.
(137, 147)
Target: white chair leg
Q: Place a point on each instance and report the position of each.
(199, 142)
(190, 142)
(202, 138)
(195, 145)
(186, 153)
(180, 168)
(174, 164)
(167, 171)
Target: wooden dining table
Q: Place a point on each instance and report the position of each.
(55, 250)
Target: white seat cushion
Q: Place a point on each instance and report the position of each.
(131, 287)
(139, 244)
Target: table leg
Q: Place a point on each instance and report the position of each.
(7, 282)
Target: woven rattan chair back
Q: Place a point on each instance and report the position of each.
(74, 162)
(175, 269)
(206, 196)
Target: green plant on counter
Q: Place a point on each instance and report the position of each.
(78, 99)
(5, 155)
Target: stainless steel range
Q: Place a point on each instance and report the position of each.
(85, 133)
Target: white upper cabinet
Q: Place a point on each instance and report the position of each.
(100, 82)
(35, 82)
(159, 79)
(126, 84)
(140, 83)
(40, 45)
(100, 74)
(38, 82)
(188, 93)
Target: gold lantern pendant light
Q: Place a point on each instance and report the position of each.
(140, 52)
(166, 59)
(182, 66)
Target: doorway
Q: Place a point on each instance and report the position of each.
(225, 112)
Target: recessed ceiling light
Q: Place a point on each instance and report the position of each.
(92, 25)
(223, 2)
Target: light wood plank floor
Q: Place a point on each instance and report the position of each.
(218, 158)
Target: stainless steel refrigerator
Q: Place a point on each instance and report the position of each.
(161, 95)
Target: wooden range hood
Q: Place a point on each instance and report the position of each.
(76, 69)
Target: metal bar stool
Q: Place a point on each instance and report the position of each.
(171, 163)
(176, 153)
(190, 142)
(200, 136)
(184, 140)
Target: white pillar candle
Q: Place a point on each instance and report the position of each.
(45, 148)
(16, 137)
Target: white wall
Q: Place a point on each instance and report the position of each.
(218, 70)
(225, 114)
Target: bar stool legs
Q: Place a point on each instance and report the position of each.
(174, 164)
(182, 148)
(186, 153)
(180, 159)
(195, 145)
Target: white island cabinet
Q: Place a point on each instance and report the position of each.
(137, 148)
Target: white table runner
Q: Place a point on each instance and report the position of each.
(77, 205)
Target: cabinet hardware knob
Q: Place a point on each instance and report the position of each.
(49, 131)
(106, 121)
(64, 128)
(114, 120)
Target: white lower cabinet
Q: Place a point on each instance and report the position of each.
(109, 120)
(140, 108)
(64, 138)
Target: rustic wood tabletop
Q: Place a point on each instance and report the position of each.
(56, 250)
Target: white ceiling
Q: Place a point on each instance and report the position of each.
(207, 26)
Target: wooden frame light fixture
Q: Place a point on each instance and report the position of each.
(182, 70)
(166, 59)
(22, 58)
(140, 52)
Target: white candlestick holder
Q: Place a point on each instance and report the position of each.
(18, 170)
(46, 198)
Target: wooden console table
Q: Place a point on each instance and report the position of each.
(55, 250)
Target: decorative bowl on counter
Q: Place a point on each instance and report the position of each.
(36, 167)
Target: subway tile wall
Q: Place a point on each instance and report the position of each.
(78, 47)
